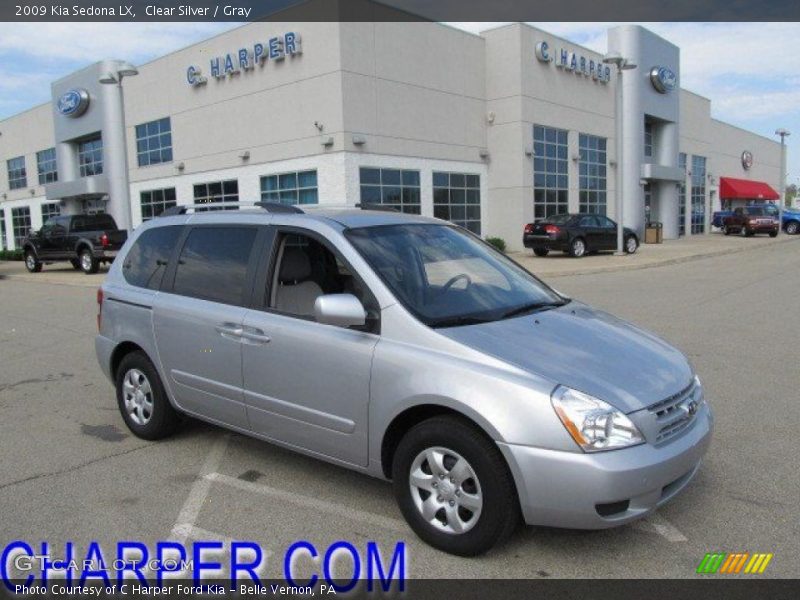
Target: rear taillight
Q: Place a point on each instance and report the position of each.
(99, 308)
(552, 229)
(104, 240)
(529, 228)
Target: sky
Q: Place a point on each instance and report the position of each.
(748, 70)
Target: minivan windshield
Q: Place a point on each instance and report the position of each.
(446, 277)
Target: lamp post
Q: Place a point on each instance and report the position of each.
(119, 186)
(622, 64)
(783, 133)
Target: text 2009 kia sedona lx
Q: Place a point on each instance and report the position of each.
(408, 349)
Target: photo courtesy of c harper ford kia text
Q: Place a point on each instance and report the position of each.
(375, 299)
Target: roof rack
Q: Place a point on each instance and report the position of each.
(270, 207)
(373, 206)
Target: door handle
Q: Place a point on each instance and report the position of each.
(255, 336)
(229, 330)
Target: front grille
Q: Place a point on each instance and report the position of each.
(672, 415)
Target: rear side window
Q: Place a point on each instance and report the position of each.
(146, 261)
(213, 264)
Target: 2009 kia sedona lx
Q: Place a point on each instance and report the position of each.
(408, 349)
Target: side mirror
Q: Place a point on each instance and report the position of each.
(342, 310)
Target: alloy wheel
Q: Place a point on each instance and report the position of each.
(445, 490)
(138, 396)
(86, 261)
(30, 262)
(579, 248)
(631, 245)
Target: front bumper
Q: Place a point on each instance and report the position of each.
(564, 489)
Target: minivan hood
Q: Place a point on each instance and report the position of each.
(585, 349)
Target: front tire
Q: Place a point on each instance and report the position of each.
(89, 264)
(454, 487)
(792, 228)
(76, 264)
(142, 400)
(773, 234)
(541, 251)
(577, 248)
(33, 265)
(725, 230)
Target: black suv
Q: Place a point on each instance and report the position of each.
(83, 240)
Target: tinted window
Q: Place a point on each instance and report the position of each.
(93, 223)
(146, 262)
(213, 263)
(605, 222)
(589, 222)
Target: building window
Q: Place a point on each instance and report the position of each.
(457, 198)
(50, 210)
(290, 188)
(391, 187)
(550, 171)
(592, 174)
(154, 142)
(698, 194)
(648, 139)
(682, 195)
(46, 166)
(154, 202)
(3, 244)
(90, 156)
(217, 192)
(20, 223)
(17, 176)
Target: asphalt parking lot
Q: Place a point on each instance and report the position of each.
(69, 469)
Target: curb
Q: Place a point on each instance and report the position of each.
(785, 238)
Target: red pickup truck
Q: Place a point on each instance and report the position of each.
(750, 220)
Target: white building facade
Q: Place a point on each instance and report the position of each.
(489, 131)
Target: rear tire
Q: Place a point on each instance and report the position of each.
(76, 264)
(142, 400)
(577, 248)
(468, 471)
(773, 234)
(631, 244)
(725, 230)
(792, 227)
(89, 264)
(541, 251)
(33, 265)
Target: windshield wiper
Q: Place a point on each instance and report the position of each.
(457, 322)
(532, 307)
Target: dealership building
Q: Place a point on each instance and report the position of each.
(489, 131)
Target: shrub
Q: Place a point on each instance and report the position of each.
(11, 255)
(497, 242)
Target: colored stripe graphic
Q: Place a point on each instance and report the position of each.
(725, 563)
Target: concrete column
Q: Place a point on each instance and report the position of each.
(666, 192)
(115, 155)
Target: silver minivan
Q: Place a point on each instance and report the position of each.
(408, 349)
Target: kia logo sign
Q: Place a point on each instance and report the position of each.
(73, 103)
(663, 79)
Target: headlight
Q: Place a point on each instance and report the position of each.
(592, 423)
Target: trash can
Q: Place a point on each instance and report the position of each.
(653, 233)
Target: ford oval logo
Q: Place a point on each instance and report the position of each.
(663, 79)
(73, 103)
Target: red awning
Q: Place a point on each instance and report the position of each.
(730, 188)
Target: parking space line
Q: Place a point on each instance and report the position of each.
(331, 508)
(660, 525)
(200, 488)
